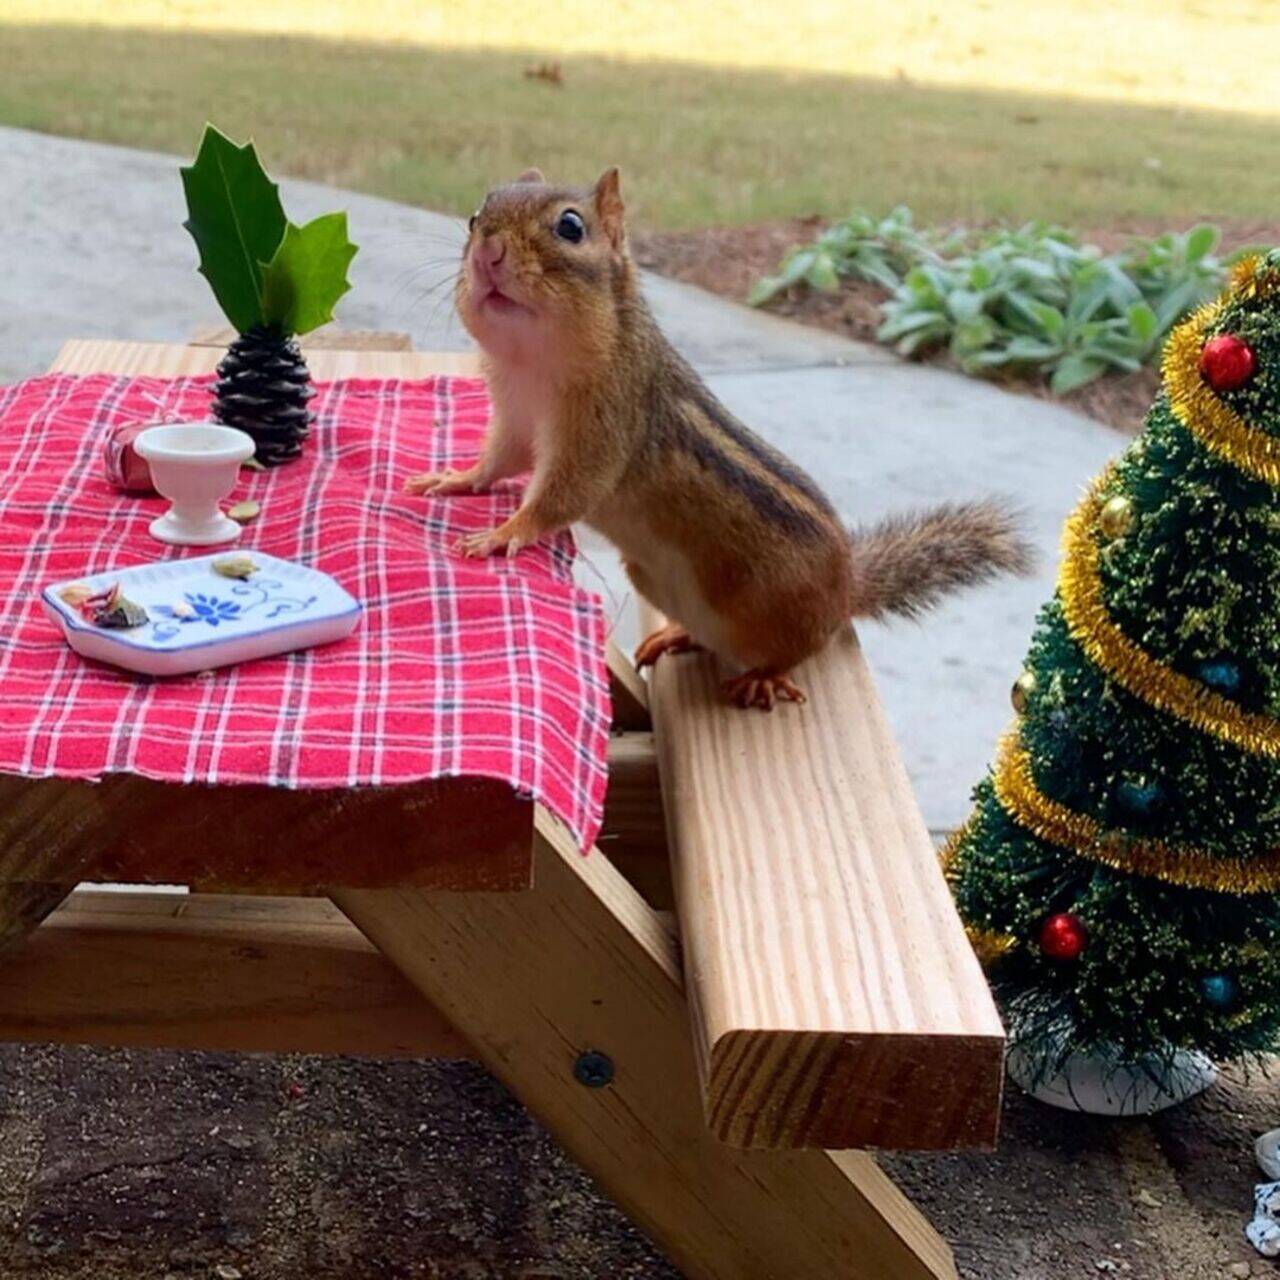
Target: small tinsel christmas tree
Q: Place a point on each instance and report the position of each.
(1121, 871)
(273, 280)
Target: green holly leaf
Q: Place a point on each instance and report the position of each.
(307, 274)
(237, 221)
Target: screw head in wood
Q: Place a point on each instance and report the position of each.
(593, 1069)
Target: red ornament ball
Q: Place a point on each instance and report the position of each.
(1062, 936)
(1227, 362)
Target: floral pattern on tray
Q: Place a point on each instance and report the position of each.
(212, 610)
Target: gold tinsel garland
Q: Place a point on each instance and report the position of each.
(988, 944)
(1217, 426)
(1127, 663)
(1251, 279)
(1022, 800)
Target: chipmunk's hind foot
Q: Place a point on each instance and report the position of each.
(761, 689)
(672, 638)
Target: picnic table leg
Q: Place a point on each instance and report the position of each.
(49, 832)
(572, 995)
(23, 908)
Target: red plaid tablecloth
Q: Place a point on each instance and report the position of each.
(491, 668)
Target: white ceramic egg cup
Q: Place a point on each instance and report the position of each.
(194, 465)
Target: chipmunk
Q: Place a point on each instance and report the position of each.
(717, 529)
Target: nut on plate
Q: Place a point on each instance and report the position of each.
(238, 566)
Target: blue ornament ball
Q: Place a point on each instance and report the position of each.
(1139, 795)
(1220, 990)
(1221, 674)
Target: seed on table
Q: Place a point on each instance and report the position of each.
(244, 511)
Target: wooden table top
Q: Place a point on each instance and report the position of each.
(447, 833)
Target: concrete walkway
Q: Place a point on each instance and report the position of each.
(95, 248)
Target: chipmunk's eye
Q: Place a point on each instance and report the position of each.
(570, 226)
(471, 223)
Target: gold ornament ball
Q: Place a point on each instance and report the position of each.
(1023, 687)
(1117, 516)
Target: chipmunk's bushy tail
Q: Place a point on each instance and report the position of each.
(906, 564)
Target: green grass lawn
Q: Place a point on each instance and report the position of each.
(697, 144)
(1184, 53)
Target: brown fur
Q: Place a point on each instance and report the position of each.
(909, 562)
(717, 529)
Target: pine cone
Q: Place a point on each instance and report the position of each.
(263, 387)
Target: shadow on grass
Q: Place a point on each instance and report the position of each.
(698, 144)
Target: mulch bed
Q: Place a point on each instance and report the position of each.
(729, 260)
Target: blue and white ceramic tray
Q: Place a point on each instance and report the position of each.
(198, 619)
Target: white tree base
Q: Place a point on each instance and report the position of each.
(1264, 1231)
(1267, 1149)
(1102, 1085)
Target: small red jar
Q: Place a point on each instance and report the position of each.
(125, 468)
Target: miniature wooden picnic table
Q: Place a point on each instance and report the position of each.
(717, 1070)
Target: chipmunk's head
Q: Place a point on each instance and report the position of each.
(545, 267)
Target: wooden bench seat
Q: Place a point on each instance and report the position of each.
(836, 1001)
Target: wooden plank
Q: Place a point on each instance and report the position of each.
(452, 833)
(836, 1001)
(166, 971)
(628, 692)
(332, 337)
(444, 833)
(32, 887)
(23, 907)
(581, 964)
(634, 835)
(172, 360)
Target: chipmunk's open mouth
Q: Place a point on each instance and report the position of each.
(494, 300)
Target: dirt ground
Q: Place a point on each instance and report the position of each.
(132, 1166)
(729, 260)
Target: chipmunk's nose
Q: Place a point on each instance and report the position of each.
(492, 250)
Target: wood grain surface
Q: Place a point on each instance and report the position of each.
(329, 337)
(634, 834)
(580, 964)
(244, 974)
(172, 360)
(836, 1001)
(628, 691)
(446, 833)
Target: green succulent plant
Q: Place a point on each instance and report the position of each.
(1031, 300)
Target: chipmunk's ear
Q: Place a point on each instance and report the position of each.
(531, 175)
(609, 207)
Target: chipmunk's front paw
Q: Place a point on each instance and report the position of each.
(441, 482)
(477, 546)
